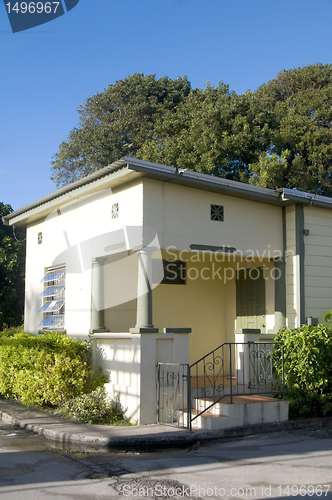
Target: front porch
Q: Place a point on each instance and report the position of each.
(203, 300)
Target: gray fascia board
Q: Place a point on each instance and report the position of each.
(66, 189)
(207, 182)
(46, 205)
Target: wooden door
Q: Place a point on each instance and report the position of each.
(250, 299)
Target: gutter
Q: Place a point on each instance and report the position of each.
(305, 198)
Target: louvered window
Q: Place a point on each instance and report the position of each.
(53, 297)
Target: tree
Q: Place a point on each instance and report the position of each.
(296, 111)
(12, 262)
(212, 131)
(116, 122)
(278, 136)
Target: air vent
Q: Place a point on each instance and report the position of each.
(115, 210)
(217, 213)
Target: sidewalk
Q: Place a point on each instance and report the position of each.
(66, 433)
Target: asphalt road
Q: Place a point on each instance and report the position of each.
(285, 465)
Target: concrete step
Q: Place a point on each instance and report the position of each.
(245, 410)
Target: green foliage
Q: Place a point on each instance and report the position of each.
(295, 109)
(12, 262)
(307, 368)
(278, 136)
(116, 122)
(94, 408)
(268, 171)
(46, 369)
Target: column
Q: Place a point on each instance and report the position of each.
(280, 293)
(97, 295)
(144, 292)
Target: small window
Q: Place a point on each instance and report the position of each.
(53, 296)
(174, 272)
(217, 212)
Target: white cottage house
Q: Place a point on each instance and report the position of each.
(163, 265)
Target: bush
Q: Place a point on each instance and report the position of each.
(45, 369)
(307, 368)
(94, 408)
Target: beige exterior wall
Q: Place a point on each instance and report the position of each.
(181, 215)
(318, 261)
(207, 303)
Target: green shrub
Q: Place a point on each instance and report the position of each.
(94, 408)
(45, 369)
(307, 368)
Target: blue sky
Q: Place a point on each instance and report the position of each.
(48, 71)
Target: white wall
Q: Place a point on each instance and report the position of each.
(70, 237)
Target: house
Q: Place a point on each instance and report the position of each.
(164, 265)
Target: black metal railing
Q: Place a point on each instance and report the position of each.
(233, 369)
(186, 392)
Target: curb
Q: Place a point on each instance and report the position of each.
(154, 436)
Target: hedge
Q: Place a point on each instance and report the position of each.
(46, 369)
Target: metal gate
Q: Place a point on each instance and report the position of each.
(173, 393)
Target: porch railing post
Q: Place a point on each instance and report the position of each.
(230, 371)
(283, 374)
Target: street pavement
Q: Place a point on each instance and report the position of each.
(282, 465)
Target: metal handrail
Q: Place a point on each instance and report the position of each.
(255, 365)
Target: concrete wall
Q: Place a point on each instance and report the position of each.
(70, 237)
(130, 361)
(318, 261)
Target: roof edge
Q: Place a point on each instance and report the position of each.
(66, 189)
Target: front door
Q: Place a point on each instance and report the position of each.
(250, 299)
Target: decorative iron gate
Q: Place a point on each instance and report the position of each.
(173, 393)
(261, 376)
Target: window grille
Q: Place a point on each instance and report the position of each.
(217, 212)
(53, 296)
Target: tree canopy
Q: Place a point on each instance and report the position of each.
(12, 262)
(278, 136)
(116, 122)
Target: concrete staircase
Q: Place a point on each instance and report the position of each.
(245, 409)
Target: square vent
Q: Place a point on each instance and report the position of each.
(217, 212)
